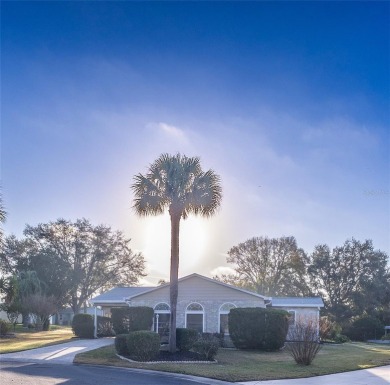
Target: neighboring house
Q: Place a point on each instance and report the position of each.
(203, 303)
(300, 308)
(65, 316)
(3, 316)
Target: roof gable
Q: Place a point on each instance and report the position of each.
(200, 277)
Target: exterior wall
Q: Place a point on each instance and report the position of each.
(302, 313)
(208, 294)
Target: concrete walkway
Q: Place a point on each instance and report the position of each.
(57, 354)
(374, 376)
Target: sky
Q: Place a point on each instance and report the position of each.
(287, 101)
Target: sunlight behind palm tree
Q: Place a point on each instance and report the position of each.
(177, 184)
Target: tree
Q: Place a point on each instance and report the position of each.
(176, 183)
(353, 278)
(75, 259)
(3, 216)
(269, 266)
(41, 307)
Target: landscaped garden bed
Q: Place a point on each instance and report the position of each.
(240, 365)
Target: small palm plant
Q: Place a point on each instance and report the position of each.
(177, 184)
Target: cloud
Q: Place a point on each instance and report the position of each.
(173, 131)
(222, 270)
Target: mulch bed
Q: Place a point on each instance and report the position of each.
(165, 356)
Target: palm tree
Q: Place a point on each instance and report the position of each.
(176, 183)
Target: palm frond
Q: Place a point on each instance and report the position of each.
(179, 183)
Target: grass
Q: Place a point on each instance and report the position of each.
(31, 339)
(235, 365)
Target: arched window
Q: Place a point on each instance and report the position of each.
(195, 317)
(223, 317)
(161, 319)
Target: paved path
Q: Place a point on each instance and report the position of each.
(57, 354)
(374, 376)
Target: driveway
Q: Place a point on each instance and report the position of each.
(57, 354)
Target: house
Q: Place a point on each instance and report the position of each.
(203, 303)
(65, 316)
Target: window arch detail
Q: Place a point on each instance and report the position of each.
(194, 317)
(224, 317)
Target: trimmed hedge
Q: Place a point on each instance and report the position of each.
(129, 319)
(121, 344)
(258, 328)
(143, 345)
(185, 339)
(82, 325)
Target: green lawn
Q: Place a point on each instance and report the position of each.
(30, 339)
(235, 365)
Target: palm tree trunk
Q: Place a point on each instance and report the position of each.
(174, 285)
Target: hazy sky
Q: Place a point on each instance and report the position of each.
(287, 101)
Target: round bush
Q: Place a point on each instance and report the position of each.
(143, 345)
(207, 347)
(341, 338)
(4, 327)
(121, 344)
(82, 325)
(185, 339)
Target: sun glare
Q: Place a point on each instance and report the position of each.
(157, 243)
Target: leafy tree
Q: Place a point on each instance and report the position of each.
(269, 266)
(353, 278)
(41, 307)
(176, 183)
(3, 216)
(74, 259)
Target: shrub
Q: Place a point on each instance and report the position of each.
(364, 328)
(258, 328)
(328, 329)
(104, 327)
(143, 345)
(185, 339)
(276, 328)
(341, 338)
(4, 327)
(207, 346)
(304, 341)
(121, 344)
(82, 325)
(129, 319)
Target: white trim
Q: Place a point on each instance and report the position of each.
(295, 305)
(195, 312)
(295, 317)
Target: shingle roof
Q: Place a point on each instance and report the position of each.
(119, 294)
(297, 301)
